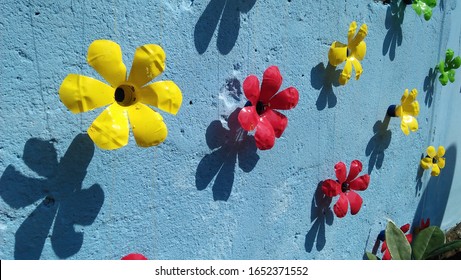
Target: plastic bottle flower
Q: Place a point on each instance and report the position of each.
(447, 67)
(424, 7)
(126, 97)
(135, 257)
(434, 159)
(260, 112)
(346, 188)
(352, 53)
(406, 111)
(386, 254)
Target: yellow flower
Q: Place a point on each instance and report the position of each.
(126, 97)
(407, 111)
(352, 53)
(434, 160)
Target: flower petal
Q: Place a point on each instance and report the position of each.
(405, 228)
(272, 80)
(341, 172)
(148, 63)
(346, 73)
(147, 125)
(441, 163)
(105, 57)
(331, 188)
(358, 68)
(355, 201)
(278, 121)
(251, 89)
(363, 31)
(248, 118)
(351, 32)
(110, 129)
(284, 100)
(359, 51)
(435, 170)
(337, 53)
(431, 151)
(164, 95)
(81, 93)
(355, 169)
(440, 151)
(426, 163)
(341, 206)
(264, 136)
(386, 255)
(408, 123)
(361, 183)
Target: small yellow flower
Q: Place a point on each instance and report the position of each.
(126, 97)
(407, 111)
(352, 53)
(434, 160)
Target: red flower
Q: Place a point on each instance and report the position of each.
(260, 115)
(385, 251)
(423, 225)
(134, 256)
(346, 187)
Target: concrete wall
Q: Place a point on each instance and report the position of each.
(202, 194)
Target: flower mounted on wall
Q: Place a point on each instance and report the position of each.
(260, 112)
(447, 67)
(352, 53)
(434, 159)
(126, 97)
(424, 7)
(134, 256)
(407, 111)
(346, 186)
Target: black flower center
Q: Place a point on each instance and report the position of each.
(434, 160)
(345, 187)
(260, 108)
(125, 95)
(348, 52)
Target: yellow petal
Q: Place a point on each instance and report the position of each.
(147, 125)
(441, 163)
(81, 93)
(148, 63)
(408, 123)
(106, 58)
(164, 95)
(337, 53)
(431, 151)
(110, 129)
(357, 67)
(404, 97)
(346, 74)
(426, 163)
(441, 151)
(435, 170)
(359, 51)
(351, 32)
(360, 36)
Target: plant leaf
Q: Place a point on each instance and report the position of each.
(426, 241)
(371, 256)
(397, 243)
(453, 245)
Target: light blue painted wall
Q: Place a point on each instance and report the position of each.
(198, 196)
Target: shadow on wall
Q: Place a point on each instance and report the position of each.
(324, 79)
(229, 13)
(321, 214)
(61, 201)
(228, 146)
(393, 23)
(378, 144)
(429, 84)
(435, 197)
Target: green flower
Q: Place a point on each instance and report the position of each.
(424, 7)
(447, 67)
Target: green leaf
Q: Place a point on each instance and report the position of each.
(397, 243)
(371, 256)
(426, 241)
(453, 245)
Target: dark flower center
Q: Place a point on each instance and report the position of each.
(348, 52)
(125, 95)
(260, 108)
(434, 160)
(345, 187)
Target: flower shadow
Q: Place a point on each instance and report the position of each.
(228, 146)
(225, 12)
(61, 201)
(321, 214)
(323, 79)
(429, 84)
(393, 23)
(378, 144)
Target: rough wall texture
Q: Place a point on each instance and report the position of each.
(206, 193)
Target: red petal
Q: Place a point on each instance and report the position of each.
(425, 224)
(272, 80)
(355, 169)
(331, 188)
(405, 228)
(355, 201)
(340, 170)
(248, 118)
(134, 256)
(264, 136)
(387, 255)
(251, 89)
(277, 120)
(341, 206)
(361, 183)
(384, 247)
(409, 237)
(285, 100)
